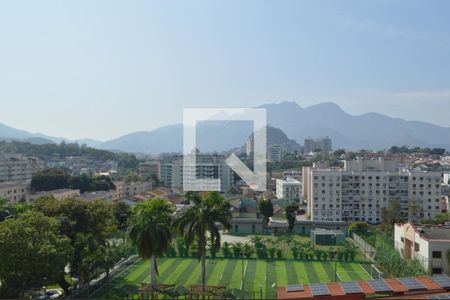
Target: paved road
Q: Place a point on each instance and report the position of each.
(234, 238)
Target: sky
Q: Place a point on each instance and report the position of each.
(101, 69)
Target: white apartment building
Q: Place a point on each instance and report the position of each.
(208, 166)
(430, 245)
(274, 153)
(289, 188)
(359, 191)
(17, 168)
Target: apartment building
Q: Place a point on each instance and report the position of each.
(149, 169)
(430, 245)
(108, 196)
(296, 174)
(136, 188)
(289, 189)
(60, 194)
(207, 166)
(274, 153)
(15, 191)
(358, 191)
(17, 168)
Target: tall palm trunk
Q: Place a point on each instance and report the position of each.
(153, 272)
(203, 263)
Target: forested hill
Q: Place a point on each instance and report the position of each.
(63, 150)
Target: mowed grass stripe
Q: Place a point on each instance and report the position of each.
(180, 268)
(193, 267)
(311, 272)
(361, 271)
(196, 277)
(132, 277)
(249, 275)
(235, 281)
(143, 277)
(351, 273)
(225, 278)
(162, 266)
(343, 274)
(329, 269)
(280, 273)
(271, 278)
(320, 271)
(302, 276)
(168, 269)
(290, 272)
(260, 277)
(214, 279)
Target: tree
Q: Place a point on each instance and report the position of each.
(86, 183)
(390, 215)
(439, 218)
(265, 207)
(132, 176)
(150, 230)
(206, 213)
(5, 209)
(49, 179)
(122, 213)
(31, 248)
(415, 211)
(291, 214)
(86, 224)
(359, 227)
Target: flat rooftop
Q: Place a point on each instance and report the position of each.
(435, 233)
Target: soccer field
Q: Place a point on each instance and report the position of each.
(265, 274)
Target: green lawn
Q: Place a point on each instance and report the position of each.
(259, 274)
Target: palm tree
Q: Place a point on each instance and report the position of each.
(205, 215)
(150, 230)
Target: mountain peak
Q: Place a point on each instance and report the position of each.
(283, 105)
(326, 106)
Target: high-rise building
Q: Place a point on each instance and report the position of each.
(362, 188)
(274, 153)
(207, 166)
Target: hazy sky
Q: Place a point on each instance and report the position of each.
(101, 69)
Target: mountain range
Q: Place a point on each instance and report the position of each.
(370, 131)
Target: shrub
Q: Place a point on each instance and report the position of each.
(226, 250)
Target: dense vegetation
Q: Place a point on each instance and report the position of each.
(389, 259)
(63, 150)
(53, 179)
(52, 234)
(407, 150)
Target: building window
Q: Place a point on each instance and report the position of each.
(236, 228)
(416, 247)
(437, 254)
